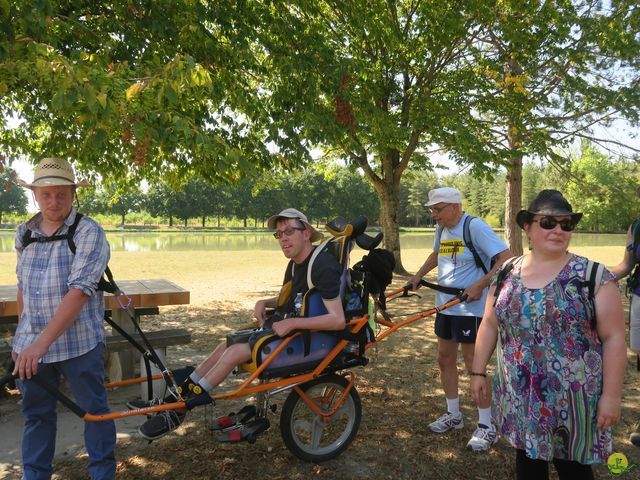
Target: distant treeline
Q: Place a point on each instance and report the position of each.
(604, 189)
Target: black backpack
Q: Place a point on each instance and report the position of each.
(634, 278)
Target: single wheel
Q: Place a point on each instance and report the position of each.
(308, 435)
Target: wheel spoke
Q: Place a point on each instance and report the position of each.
(342, 412)
(316, 431)
(302, 425)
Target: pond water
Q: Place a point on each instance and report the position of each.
(222, 241)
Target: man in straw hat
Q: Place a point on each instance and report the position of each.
(60, 329)
(295, 235)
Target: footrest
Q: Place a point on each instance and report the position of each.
(245, 414)
(247, 432)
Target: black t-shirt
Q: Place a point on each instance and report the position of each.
(325, 276)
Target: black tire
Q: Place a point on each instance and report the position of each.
(306, 434)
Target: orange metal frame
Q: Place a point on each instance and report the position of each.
(247, 388)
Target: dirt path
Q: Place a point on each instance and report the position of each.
(400, 393)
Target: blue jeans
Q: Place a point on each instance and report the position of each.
(85, 376)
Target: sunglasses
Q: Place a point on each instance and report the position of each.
(549, 223)
(287, 233)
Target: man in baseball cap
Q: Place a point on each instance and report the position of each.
(295, 236)
(294, 214)
(463, 252)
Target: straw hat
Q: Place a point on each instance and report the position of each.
(52, 172)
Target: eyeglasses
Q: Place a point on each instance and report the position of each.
(549, 223)
(439, 209)
(287, 233)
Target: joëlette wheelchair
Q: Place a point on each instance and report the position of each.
(321, 414)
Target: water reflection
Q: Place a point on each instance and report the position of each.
(179, 241)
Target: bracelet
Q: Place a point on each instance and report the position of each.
(477, 374)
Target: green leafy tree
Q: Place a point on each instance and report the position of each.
(157, 201)
(350, 195)
(137, 90)
(418, 186)
(12, 195)
(605, 190)
(550, 72)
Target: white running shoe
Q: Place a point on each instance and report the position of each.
(446, 422)
(483, 438)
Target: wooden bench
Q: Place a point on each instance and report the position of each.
(158, 339)
(10, 321)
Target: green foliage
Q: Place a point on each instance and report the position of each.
(135, 90)
(12, 196)
(604, 190)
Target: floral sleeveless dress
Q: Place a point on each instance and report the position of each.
(548, 378)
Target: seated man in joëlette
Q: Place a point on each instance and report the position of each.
(295, 236)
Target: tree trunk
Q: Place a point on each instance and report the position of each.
(513, 201)
(171, 220)
(389, 204)
(244, 221)
(123, 219)
(218, 221)
(203, 218)
(185, 222)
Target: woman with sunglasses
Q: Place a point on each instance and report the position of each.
(558, 381)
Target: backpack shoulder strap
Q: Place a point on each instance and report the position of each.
(314, 255)
(503, 273)
(466, 236)
(27, 239)
(71, 233)
(438, 235)
(593, 277)
(635, 236)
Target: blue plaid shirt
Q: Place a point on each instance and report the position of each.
(47, 271)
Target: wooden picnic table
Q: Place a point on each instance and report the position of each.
(143, 294)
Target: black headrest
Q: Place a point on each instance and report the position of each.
(339, 227)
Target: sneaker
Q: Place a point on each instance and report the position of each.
(161, 424)
(483, 438)
(446, 422)
(138, 404)
(635, 439)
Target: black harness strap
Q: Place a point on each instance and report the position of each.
(442, 288)
(466, 236)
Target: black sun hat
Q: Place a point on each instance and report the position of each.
(547, 202)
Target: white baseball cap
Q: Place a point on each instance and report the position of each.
(444, 195)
